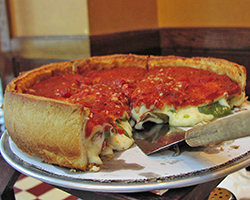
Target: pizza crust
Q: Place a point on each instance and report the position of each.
(55, 130)
(110, 62)
(47, 128)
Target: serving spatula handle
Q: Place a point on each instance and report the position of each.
(228, 128)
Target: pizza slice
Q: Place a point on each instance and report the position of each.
(52, 112)
(107, 127)
(187, 91)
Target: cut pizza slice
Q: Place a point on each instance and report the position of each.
(107, 127)
(52, 112)
(187, 91)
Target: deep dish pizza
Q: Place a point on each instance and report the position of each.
(71, 113)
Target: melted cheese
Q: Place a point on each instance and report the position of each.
(115, 142)
(94, 148)
(187, 116)
(122, 141)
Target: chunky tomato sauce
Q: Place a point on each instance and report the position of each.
(104, 92)
(182, 86)
(57, 87)
(125, 78)
(105, 104)
(109, 93)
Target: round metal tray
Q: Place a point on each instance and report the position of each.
(133, 171)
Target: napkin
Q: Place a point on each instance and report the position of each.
(238, 183)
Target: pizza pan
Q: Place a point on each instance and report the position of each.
(123, 175)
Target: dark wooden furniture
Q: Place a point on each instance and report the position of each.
(7, 180)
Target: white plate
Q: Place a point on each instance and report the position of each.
(133, 171)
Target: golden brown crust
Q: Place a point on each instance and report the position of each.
(111, 61)
(45, 120)
(54, 130)
(47, 128)
(29, 78)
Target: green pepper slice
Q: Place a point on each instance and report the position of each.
(120, 126)
(215, 109)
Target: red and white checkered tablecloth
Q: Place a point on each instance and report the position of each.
(28, 188)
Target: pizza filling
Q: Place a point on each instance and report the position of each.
(186, 116)
(217, 109)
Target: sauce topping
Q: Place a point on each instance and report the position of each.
(105, 105)
(182, 86)
(109, 93)
(57, 87)
(125, 78)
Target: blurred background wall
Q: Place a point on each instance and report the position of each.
(82, 17)
(206, 13)
(46, 17)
